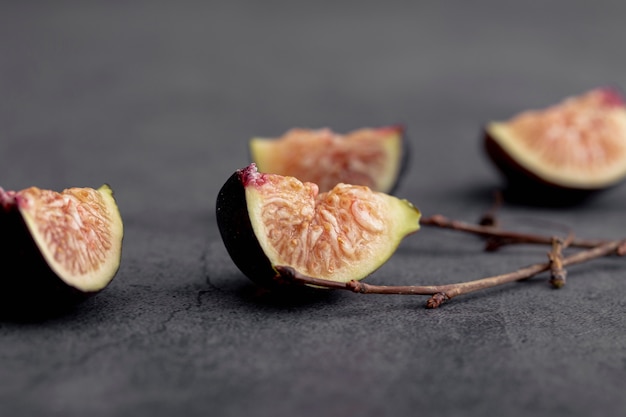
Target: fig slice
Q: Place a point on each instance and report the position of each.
(267, 220)
(63, 246)
(374, 157)
(578, 144)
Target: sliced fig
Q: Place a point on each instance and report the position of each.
(374, 157)
(573, 147)
(267, 220)
(57, 248)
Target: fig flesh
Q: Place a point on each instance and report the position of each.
(63, 247)
(267, 220)
(572, 148)
(374, 157)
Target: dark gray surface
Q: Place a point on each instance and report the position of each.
(159, 99)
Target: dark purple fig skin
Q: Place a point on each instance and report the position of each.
(28, 287)
(234, 224)
(525, 187)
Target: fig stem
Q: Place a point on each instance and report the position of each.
(500, 236)
(442, 293)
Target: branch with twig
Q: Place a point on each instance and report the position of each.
(592, 249)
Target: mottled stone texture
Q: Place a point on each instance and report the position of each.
(159, 99)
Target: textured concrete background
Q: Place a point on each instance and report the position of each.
(159, 99)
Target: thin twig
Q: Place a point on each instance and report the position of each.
(505, 236)
(557, 271)
(490, 217)
(441, 293)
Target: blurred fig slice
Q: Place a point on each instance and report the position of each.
(58, 248)
(267, 220)
(374, 157)
(573, 147)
